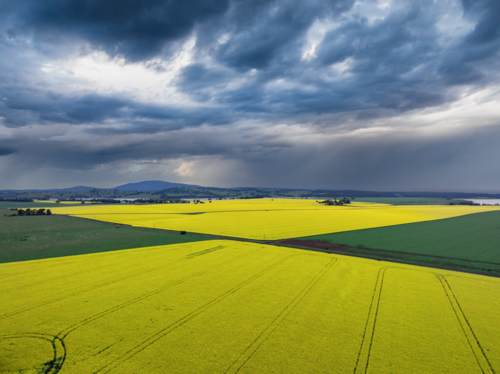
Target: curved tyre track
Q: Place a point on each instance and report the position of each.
(53, 366)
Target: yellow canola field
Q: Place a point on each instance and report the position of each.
(215, 206)
(227, 307)
(267, 219)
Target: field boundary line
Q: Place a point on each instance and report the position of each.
(264, 335)
(472, 340)
(167, 330)
(391, 260)
(380, 251)
(99, 285)
(70, 329)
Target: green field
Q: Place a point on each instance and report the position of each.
(405, 200)
(37, 237)
(470, 242)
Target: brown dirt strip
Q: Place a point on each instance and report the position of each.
(445, 263)
(318, 244)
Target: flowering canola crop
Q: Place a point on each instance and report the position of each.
(264, 219)
(227, 307)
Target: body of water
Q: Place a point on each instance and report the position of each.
(485, 201)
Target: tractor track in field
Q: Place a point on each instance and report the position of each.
(57, 341)
(247, 354)
(363, 358)
(474, 344)
(173, 326)
(137, 299)
(59, 356)
(89, 289)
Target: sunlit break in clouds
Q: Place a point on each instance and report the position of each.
(338, 94)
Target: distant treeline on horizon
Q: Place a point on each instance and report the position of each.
(186, 192)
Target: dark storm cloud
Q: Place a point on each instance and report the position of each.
(330, 66)
(487, 29)
(271, 31)
(137, 30)
(385, 162)
(83, 152)
(6, 150)
(388, 49)
(391, 162)
(396, 63)
(22, 108)
(462, 64)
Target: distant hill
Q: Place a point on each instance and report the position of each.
(151, 186)
(168, 190)
(145, 186)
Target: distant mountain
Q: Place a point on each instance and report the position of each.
(145, 186)
(150, 186)
(181, 190)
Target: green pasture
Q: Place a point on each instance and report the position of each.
(24, 238)
(23, 205)
(405, 200)
(470, 242)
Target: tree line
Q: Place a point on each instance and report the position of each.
(33, 212)
(335, 201)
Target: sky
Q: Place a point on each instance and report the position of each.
(338, 94)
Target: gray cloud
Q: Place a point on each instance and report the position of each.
(21, 108)
(487, 28)
(137, 30)
(383, 162)
(6, 150)
(254, 73)
(272, 31)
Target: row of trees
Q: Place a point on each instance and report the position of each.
(157, 201)
(342, 201)
(33, 212)
(466, 202)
